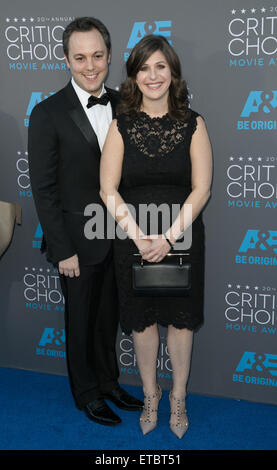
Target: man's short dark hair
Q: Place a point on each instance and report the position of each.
(84, 24)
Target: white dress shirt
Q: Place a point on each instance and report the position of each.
(99, 116)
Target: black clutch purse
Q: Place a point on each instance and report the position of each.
(170, 278)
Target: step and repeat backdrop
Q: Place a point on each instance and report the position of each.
(229, 60)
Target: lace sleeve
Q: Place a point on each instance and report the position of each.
(193, 121)
(121, 124)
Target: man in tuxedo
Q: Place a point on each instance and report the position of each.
(66, 134)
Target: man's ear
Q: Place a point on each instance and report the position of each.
(67, 61)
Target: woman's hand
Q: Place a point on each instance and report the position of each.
(143, 245)
(156, 250)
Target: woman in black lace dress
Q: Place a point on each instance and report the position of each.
(157, 152)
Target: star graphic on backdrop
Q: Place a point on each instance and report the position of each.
(243, 11)
(233, 12)
(263, 10)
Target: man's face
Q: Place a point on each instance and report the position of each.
(88, 60)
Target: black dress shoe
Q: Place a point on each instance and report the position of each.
(98, 411)
(123, 400)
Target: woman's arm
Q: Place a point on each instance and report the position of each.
(110, 176)
(201, 177)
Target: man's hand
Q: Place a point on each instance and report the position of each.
(70, 266)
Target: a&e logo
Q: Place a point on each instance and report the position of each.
(258, 362)
(261, 242)
(257, 369)
(36, 243)
(260, 100)
(257, 239)
(263, 104)
(35, 98)
(50, 340)
(142, 28)
(53, 337)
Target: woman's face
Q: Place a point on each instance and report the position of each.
(154, 77)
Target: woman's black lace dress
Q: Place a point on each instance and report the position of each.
(157, 169)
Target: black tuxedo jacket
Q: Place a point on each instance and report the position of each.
(64, 161)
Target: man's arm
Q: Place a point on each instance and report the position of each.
(43, 168)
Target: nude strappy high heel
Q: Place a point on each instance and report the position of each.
(180, 424)
(151, 402)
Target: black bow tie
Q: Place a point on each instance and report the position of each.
(93, 100)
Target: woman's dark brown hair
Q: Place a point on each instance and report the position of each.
(131, 96)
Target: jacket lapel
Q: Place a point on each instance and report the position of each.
(78, 115)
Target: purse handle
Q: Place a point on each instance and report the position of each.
(168, 254)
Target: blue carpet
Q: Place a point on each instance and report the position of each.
(38, 413)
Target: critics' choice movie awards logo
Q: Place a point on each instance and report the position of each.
(42, 294)
(41, 290)
(251, 182)
(142, 28)
(128, 361)
(252, 40)
(22, 175)
(35, 43)
(250, 309)
(258, 247)
(52, 343)
(259, 111)
(257, 368)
